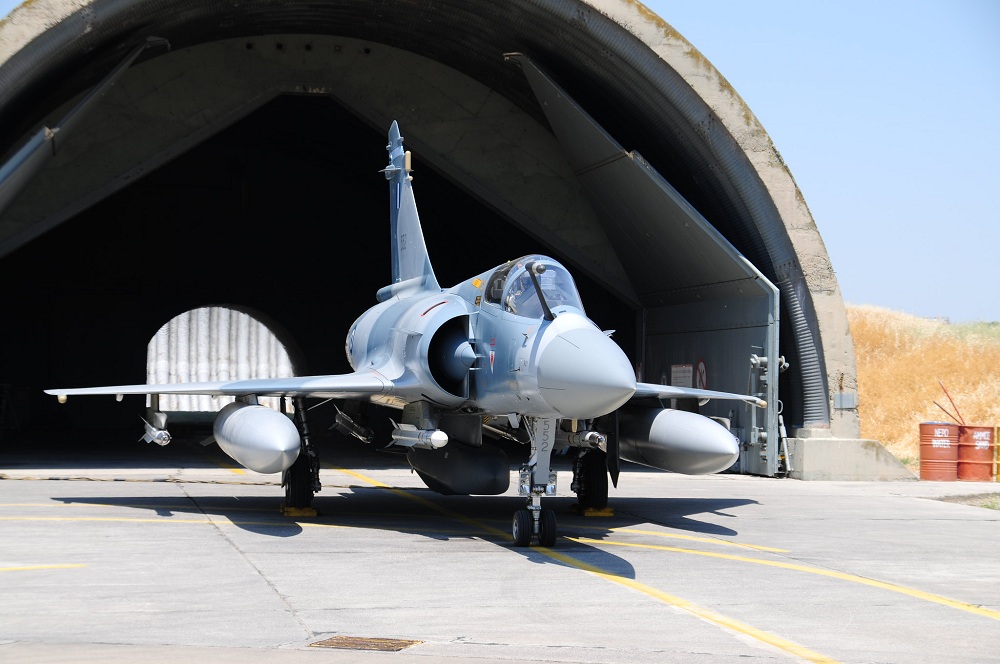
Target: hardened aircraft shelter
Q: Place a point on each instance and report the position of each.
(161, 156)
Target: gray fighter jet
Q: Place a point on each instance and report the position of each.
(506, 354)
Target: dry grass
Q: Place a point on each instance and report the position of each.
(903, 359)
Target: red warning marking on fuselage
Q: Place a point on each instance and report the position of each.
(434, 307)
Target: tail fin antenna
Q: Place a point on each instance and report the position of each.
(410, 261)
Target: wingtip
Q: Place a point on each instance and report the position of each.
(60, 396)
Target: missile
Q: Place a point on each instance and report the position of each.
(676, 440)
(345, 425)
(589, 439)
(257, 437)
(153, 435)
(407, 435)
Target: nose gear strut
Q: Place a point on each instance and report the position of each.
(537, 480)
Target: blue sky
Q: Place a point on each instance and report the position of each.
(888, 115)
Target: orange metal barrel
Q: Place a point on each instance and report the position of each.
(975, 453)
(938, 451)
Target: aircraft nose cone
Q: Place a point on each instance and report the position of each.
(583, 374)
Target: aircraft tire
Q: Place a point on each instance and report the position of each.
(521, 527)
(298, 483)
(547, 528)
(593, 493)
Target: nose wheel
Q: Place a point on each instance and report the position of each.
(523, 527)
(547, 528)
(537, 480)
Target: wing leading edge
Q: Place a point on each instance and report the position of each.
(652, 391)
(358, 385)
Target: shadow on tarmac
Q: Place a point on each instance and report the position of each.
(352, 504)
(424, 513)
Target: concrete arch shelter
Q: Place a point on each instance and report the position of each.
(162, 155)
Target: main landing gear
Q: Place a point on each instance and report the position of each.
(301, 480)
(590, 480)
(537, 480)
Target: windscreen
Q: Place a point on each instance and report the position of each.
(557, 286)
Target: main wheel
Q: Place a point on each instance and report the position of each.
(298, 483)
(547, 528)
(593, 481)
(521, 527)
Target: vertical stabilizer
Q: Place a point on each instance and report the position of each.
(410, 263)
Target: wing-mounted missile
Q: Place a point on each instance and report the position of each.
(586, 439)
(408, 435)
(343, 423)
(257, 437)
(154, 434)
(675, 440)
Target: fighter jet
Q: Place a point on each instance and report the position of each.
(506, 354)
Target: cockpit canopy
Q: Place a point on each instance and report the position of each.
(511, 287)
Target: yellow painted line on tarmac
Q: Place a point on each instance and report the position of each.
(152, 506)
(34, 568)
(162, 519)
(692, 538)
(694, 609)
(678, 602)
(169, 519)
(283, 523)
(843, 576)
(190, 508)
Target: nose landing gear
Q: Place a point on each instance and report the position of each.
(524, 525)
(537, 480)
